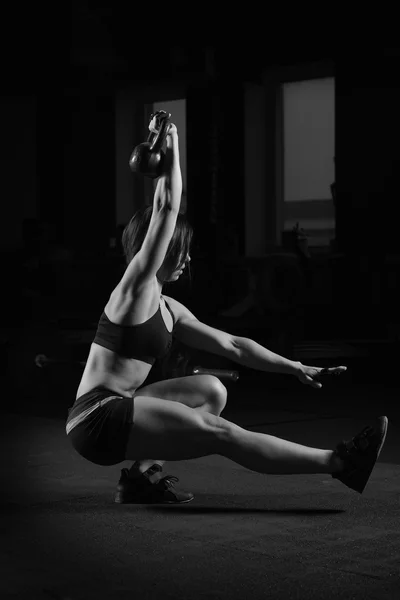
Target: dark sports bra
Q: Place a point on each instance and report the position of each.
(148, 341)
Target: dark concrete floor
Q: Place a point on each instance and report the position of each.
(245, 535)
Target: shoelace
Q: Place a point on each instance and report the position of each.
(360, 443)
(169, 481)
(361, 440)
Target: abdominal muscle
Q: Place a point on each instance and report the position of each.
(107, 368)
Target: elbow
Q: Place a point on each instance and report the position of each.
(164, 206)
(236, 345)
(168, 195)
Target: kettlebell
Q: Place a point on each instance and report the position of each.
(147, 158)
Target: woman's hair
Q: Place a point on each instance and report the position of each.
(135, 232)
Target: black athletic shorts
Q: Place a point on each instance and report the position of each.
(99, 424)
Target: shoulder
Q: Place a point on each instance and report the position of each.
(135, 292)
(181, 312)
(133, 303)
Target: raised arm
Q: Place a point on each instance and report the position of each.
(166, 204)
(169, 186)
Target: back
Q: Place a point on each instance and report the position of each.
(147, 341)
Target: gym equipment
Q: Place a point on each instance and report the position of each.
(43, 361)
(220, 373)
(147, 159)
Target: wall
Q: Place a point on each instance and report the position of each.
(215, 168)
(83, 191)
(254, 170)
(125, 134)
(262, 217)
(368, 154)
(289, 149)
(19, 196)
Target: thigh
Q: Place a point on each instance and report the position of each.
(174, 431)
(193, 391)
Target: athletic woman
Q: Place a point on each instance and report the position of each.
(117, 418)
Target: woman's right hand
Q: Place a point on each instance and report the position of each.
(153, 127)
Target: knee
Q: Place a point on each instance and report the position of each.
(219, 432)
(216, 395)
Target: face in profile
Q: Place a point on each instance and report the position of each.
(168, 277)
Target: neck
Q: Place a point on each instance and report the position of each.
(160, 285)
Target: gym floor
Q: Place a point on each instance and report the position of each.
(245, 535)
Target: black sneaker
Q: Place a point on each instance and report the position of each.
(360, 455)
(150, 488)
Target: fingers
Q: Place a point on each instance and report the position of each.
(314, 383)
(172, 129)
(332, 370)
(160, 114)
(152, 125)
(324, 374)
(314, 375)
(157, 119)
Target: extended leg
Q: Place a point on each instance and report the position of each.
(180, 433)
(269, 454)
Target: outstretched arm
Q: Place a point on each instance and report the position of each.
(168, 192)
(244, 351)
(251, 354)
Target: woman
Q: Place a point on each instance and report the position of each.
(116, 418)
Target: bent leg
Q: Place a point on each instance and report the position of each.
(177, 432)
(171, 430)
(202, 392)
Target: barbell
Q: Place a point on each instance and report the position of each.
(43, 361)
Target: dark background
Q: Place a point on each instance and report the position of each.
(57, 277)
